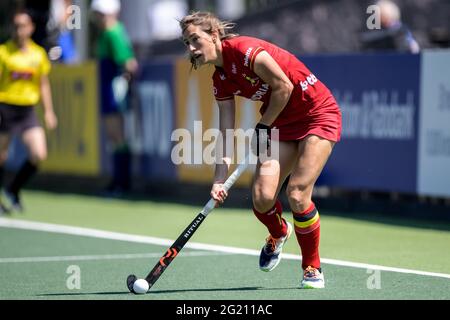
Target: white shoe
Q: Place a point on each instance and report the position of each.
(313, 278)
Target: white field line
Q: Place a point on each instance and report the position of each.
(38, 226)
(104, 257)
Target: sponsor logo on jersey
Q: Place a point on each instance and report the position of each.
(310, 80)
(261, 92)
(24, 75)
(247, 56)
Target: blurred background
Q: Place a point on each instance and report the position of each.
(302, 26)
(394, 156)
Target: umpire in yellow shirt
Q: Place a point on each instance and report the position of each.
(24, 68)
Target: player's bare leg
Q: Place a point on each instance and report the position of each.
(269, 178)
(4, 144)
(313, 153)
(35, 143)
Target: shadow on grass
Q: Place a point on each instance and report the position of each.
(158, 292)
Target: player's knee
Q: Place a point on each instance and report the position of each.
(38, 157)
(299, 197)
(263, 201)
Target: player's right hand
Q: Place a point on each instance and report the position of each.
(219, 193)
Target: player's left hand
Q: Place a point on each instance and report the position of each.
(261, 139)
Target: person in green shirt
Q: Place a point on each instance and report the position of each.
(117, 65)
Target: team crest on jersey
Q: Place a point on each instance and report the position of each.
(222, 76)
(253, 81)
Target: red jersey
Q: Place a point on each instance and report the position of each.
(237, 78)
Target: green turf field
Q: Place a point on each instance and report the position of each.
(36, 264)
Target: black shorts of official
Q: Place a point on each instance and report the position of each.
(17, 119)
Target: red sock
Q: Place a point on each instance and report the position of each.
(272, 220)
(307, 230)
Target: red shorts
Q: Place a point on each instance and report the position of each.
(324, 121)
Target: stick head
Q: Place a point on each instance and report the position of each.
(130, 282)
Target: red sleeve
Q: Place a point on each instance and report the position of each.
(245, 52)
(221, 90)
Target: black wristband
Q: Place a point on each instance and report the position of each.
(260, 128)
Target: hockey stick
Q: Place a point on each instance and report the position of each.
(176, 247)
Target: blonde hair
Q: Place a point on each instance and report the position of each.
(209, 23)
